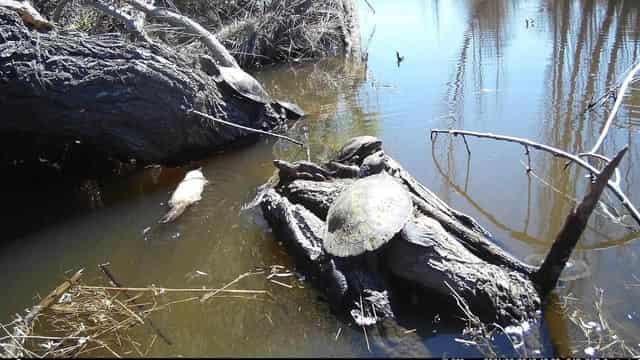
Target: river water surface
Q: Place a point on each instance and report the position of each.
(524, 68)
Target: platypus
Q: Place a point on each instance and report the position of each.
(188, 191)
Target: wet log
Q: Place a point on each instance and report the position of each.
(423, 253)
(441, 251)
(126, 101)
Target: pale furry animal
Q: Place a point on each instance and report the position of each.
(188, 191)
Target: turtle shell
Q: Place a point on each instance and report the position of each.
(366, 215)
(352, 146)
(243, 83)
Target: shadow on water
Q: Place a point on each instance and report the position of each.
(525, 68)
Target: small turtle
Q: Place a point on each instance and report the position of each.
(356, 149)
(242, 83)
(246, 86)
(366, 216)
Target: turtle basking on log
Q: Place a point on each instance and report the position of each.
(247, 87)
(358, 237)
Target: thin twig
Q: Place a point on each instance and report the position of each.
(364, 330)
(154, 290)
(466, 145)
(370, 6)
(246, 128)
(281, 283)
(526, 151)
(616, 106)
(213, 293)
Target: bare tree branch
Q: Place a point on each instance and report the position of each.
(133, 23)
(619, 97)
(549, 273)
(219, 52)
(556, 152)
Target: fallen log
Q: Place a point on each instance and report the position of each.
(125, 101)
(441, 251)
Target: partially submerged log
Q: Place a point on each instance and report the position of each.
(441, 251)
(126, 101)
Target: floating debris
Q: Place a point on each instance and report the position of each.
(591, 351)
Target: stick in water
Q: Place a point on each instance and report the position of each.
(246, 128)
(547, 276)
(115, 282)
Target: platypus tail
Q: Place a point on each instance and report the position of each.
(173, 214)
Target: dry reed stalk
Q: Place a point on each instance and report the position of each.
(597, 335)
(98, 320)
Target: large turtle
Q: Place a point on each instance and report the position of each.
(246, 86)
(366, 216)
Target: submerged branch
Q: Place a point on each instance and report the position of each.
(556, 152)
(549, 273)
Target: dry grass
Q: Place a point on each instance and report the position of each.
(102, 320)
(285, 30)
(256, 32)
(595, 333)
(475, 333)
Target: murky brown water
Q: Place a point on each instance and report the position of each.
(520, 68)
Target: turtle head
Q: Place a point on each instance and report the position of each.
(209, 66)
(285, 168)
(373, 164)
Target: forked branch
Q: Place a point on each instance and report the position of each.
(556, 152)
(219, 52)
(136, 24)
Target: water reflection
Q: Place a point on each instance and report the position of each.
(581, 48)
(331, 93)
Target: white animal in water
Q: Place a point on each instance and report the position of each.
(188, 191)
